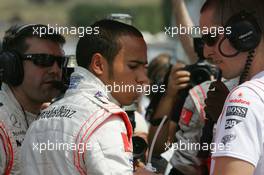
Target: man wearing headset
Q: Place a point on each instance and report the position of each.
(30, 65)
(240, 128)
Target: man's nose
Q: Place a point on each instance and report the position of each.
(142, 77)
(55, 69)
(207, 50)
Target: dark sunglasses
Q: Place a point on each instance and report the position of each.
(210, 39)
(46, 60)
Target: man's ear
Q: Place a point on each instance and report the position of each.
(97, 65)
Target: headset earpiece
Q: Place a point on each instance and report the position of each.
(12, 66)
(10, 35)
(11, 61)
(245, 32)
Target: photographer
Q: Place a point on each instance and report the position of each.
(178, 82)
(178, 79)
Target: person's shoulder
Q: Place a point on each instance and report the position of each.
(5, 120)
(243, 99)
(76, 101)
(112, 127)
(253, 89)
(205, 85)
(200, 90)
(242, 94)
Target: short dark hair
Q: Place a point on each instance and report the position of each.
(16, 35)
(224, 9)
(105, 42)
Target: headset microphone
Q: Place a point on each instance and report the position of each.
(222, 52)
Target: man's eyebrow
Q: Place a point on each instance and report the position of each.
(139, 62)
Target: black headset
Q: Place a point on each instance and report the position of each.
(245, 31)
(245, 36)
(11, 62)
(12, 68)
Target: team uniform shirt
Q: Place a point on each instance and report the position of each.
(191, 125)
(14, 122)
(96, 133)
(240, 128)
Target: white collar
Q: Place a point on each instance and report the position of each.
(83, 79)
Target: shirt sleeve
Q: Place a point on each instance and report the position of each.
(110, 152)
(239, 127)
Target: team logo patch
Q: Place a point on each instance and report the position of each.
(58, 112)
(239, 101)
(230, 123)
(186, 116)
(74, 81)
(228, 138)
(236, 111)
(99, 96)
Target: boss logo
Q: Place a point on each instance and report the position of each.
(237, 111)
(230, 123)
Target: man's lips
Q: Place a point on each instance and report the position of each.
(57, 84)
(51, 81)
